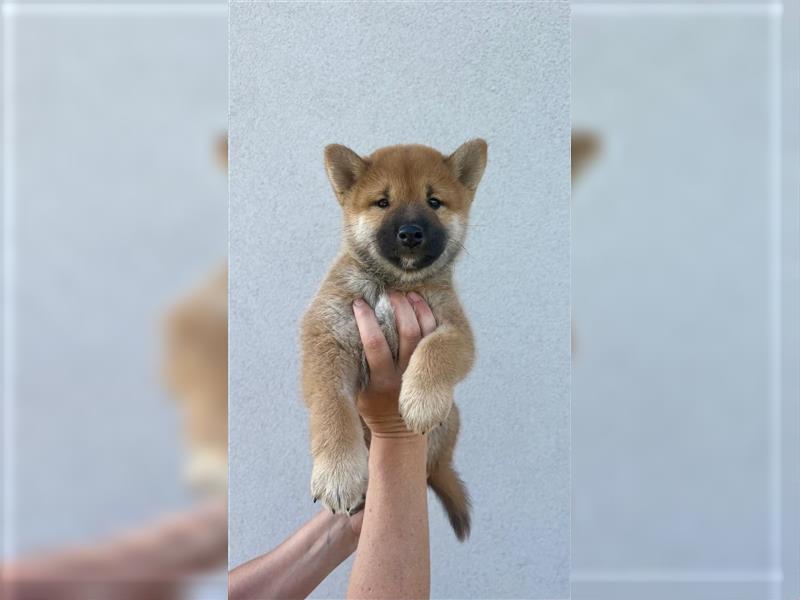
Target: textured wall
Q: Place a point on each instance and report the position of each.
(368, 75)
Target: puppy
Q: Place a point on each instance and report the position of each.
(405, 212)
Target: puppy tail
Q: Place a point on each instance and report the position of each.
(449, 488)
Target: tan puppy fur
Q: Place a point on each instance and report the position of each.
(196, 372)
(405, 212)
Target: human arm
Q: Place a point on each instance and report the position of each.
(151, 561)
(296, 567)
(393, 557)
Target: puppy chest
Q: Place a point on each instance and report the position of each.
(385, 316)
(342, 326)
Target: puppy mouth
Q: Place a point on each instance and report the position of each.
(411, 261)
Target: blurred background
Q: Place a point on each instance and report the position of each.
(686, 403)
(685, 257)
(115, 212)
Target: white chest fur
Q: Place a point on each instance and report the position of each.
(385, 316)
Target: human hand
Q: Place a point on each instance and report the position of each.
(378, 402)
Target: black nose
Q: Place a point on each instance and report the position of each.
(410, 235)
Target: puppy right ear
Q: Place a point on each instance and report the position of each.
(343, 166)
(468, 162)
(585, 146)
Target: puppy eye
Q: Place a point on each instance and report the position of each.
(382, 203)
(434, 203)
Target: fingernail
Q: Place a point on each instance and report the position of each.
(414, 297)
(358, 302)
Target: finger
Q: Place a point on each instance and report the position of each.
(427, 322)
(379, 357)
(408, 330)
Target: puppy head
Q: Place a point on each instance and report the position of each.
(406, 207)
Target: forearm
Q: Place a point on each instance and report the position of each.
(178, 545)
(299, 564)
(150, 561)
(171, 547)
(393, 558)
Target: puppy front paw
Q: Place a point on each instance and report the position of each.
(424, 407)
(340, 483)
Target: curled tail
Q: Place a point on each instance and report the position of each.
(450, 490)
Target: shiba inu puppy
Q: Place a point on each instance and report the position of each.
(405, 212)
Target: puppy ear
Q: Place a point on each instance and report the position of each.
(343, 166)
(468, 163)
(585, 146)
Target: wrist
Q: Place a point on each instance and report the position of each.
(388, 426)
(342, 531)
(410, 444)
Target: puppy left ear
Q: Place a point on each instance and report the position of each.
(344, 167)
(468, 163)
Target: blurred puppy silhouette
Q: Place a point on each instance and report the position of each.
(585, 148)
(196, 372)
